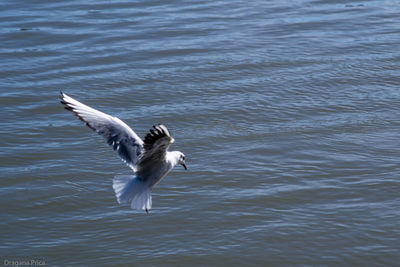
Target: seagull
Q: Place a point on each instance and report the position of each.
(149, 159)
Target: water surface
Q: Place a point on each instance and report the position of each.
(287, 112)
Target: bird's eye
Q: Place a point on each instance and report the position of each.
(183, 157)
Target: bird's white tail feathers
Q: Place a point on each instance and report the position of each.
(130, 189)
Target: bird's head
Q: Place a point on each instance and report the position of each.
(181, 160)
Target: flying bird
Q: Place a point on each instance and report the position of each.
(149, 159)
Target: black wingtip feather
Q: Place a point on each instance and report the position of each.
(69, 108)
(158, 131)
(66, 105)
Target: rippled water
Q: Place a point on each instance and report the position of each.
(288, 113)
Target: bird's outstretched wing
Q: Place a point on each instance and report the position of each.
(156, 144)
(120, 136)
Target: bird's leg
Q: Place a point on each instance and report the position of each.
(147, 211)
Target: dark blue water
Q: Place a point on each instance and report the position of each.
(287, 112)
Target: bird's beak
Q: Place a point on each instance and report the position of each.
(184, 165)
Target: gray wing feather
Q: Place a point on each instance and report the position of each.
(120, 136)
(156, 144)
